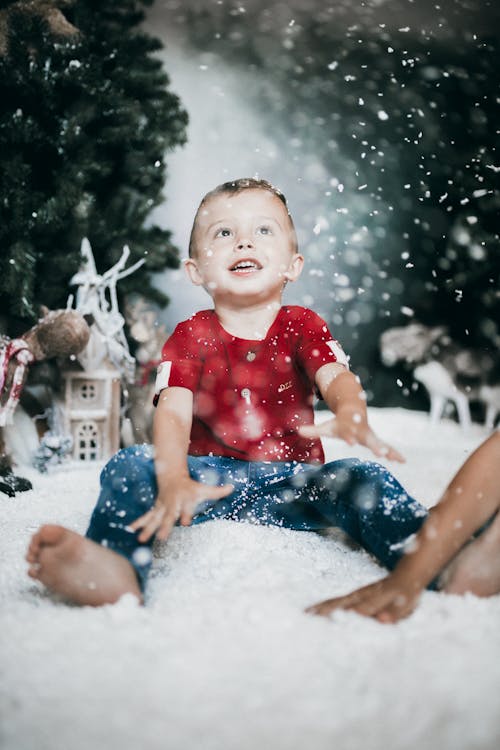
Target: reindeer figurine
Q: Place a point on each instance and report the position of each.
(96, 296)
(443, 368)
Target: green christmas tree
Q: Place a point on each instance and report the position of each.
(86, 118)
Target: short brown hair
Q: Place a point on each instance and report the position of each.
(233, 187)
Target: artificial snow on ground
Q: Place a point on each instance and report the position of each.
(223, 657)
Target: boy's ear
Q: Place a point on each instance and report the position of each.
(295, 268)
(192, 271)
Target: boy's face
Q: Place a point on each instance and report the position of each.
(244, 248)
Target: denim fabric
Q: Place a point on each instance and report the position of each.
(360, 497)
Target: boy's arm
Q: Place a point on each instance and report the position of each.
(178, 495)
(345, 397)
(471, 499)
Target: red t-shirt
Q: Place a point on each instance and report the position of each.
(250, 396)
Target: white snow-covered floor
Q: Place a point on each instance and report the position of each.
(223, 656)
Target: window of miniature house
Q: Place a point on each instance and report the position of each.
(87, 441)
(87, 391)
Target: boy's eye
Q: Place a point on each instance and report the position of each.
(224, 232)
(264, 230)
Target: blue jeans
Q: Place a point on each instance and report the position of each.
(360, 497)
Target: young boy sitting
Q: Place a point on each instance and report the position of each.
(233, 433)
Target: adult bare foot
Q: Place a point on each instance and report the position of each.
(78, 568)
(476, 569)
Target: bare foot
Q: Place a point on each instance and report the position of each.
(78, 568)
(476, 569)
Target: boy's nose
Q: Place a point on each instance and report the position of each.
(244, 244)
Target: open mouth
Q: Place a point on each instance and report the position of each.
(246, 265)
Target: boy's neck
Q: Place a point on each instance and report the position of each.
(252, 322)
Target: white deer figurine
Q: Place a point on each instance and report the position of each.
(96, 295)
(438, 363)
(438, 382)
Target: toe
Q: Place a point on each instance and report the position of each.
(34, 571)
(33, 548)
(51, 534)
(46, 536)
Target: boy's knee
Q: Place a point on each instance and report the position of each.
(372, 470)
(363, 484)
(128, 466)
(133, 454)
(376, 489)
(343, 473)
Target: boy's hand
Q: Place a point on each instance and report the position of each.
(178, 502)
(350, 426)
(387, 601)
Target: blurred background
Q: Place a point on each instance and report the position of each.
(378, 120)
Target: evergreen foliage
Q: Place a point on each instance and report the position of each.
(85, 123)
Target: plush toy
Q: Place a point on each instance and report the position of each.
(59, 333)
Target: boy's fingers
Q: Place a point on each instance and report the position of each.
(161, 520)
(166, 527)
(383, 450)
(146, 518)
(215, 493)
(331, 429)
(392, 454)
(147, 532)
(325, 429)
(153, 523)
(206, 492)
(142, 522)
(139, 522)
(395, 455)
(308, 431)
(186, 518)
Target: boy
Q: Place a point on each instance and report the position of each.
(469, 506)
(233, 432)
